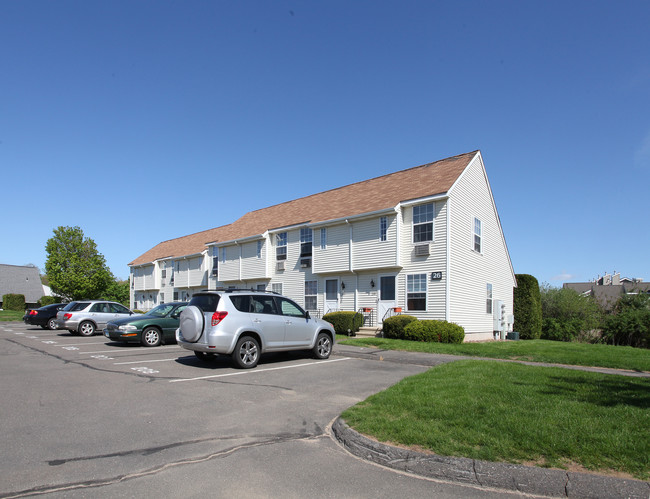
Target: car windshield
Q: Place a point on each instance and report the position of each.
(161, 310)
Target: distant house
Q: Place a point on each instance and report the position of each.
(21, 280)
(426, 241)
(609, 288)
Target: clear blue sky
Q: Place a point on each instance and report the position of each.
(142, 121)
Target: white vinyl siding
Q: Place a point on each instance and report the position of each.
(367, 252)
(336, 257)
(229, 268)
(469, 270)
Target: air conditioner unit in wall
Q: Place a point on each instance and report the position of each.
(422, 249)
(305, 262)
(279, 265)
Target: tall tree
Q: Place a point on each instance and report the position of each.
(75, 269)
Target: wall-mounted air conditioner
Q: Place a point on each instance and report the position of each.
(422, 249)
(305, 262)
(279, 265)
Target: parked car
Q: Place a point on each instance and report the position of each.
(84, 317)
(151, 329)
(245, 324)
(44, 316)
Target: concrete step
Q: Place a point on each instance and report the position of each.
(369, 332)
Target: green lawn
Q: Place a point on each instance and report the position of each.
(556, 352)
(495, 411)
(11, 315)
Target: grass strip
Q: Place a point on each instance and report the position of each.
(11, 316)
(495, 411)
(554, 352)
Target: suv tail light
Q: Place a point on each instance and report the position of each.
(217, 317)
(66, 316)
(33, 312)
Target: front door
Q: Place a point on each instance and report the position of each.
(386, 296)
(331, 295)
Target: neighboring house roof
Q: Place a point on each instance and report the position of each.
(21, 280)
(368, 196)
(606, 295)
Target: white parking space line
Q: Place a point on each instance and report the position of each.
(254, 371)
(104, 351)
(84, 344)
(143, 361)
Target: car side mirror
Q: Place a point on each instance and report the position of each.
(307, 316)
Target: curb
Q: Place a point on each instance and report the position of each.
(504, 476)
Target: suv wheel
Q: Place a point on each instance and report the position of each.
(151, 337)
(86, 328)
(247, 352)
(191, 323)
(323, 347)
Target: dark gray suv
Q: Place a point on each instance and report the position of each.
(245, 324)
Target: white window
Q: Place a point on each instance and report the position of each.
(383, 228)
(276, 287)
(323, 238)
(281, 246)
(416, 292)
(423, 223)
(261, 287)
(223, 255)
(488, 301)
(478, 244)
(306, 238)
(311, 295)
(259, 248)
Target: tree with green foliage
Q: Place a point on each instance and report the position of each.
(74, 267)
(527, 307)
(118, 291)
(567, 314)
(629, 323)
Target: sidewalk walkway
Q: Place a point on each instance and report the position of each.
(504, 476)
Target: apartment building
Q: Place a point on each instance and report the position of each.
(426, 241)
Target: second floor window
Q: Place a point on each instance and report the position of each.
(223, 255)
(383, 228)
(478, 246)
(323, 238)
(259, 249)
(305, 242)
(281, 246)
(423, 223)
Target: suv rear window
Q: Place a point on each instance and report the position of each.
(207, 303)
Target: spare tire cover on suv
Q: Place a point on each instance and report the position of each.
(191, 323)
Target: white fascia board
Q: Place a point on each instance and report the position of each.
(256, 237)
(351, 218)
(435, 197)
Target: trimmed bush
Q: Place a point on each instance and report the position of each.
(13, 302)
(49, 300)
(394, 326)
(434, 331)
(527, 307)
(344, 322)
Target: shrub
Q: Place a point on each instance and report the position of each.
(567, 314)
(49, 300)
(344, 322)
(630, 324)
(13, 302)
(527, 307)
(393, 327)
(434, 331)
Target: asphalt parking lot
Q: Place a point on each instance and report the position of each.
(86, 417)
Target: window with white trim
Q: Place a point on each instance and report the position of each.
(223, 255)
(488, 301)
(478, 236)
(311, 295)
(276, 287)
(416, 292)
(306, 238)
(259, 248)
(323, 239)
(383, 228)
(281, 246)
(423, 223)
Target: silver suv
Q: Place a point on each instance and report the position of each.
(246, 324)
(86, 316)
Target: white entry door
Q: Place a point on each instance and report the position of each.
(387, 295)
(331, 295)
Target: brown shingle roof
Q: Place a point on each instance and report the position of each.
(367, 196)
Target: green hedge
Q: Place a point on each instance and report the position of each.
(434, 331)
(344, 322)
(394, 326)
(49, 300)
(527, 307)
(13, 302)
